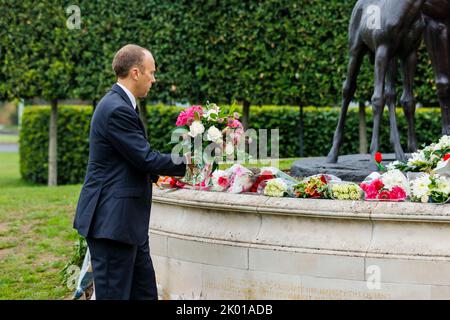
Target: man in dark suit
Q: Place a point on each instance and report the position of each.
(113, 210)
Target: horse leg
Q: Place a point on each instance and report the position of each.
(382, 58)
(409, 66)
(437, 41)
(391, 100)
(356, 57)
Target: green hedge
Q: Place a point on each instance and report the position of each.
(320, 123)
(271, 51)
(73, 146)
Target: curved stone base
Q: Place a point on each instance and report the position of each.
(209, 245)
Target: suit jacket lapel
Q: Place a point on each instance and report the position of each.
(119, 90)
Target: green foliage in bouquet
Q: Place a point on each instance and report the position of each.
(77, 258)
(313, 187)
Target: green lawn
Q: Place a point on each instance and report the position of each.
(9, 138)
(36, 235)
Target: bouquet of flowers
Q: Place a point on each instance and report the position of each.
(275, 188)
(346, 191)
(427, 159)
(220, 180)
(241, 179)
(390, 186)
(167, 182)
(315, 187)
(430, 188)
(208, 133)
(268, 173)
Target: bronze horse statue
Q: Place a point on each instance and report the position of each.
(402, 24)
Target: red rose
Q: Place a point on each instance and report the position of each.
(378, 157)
(223, 182)
(385, 195)
(266, 175)
(447, 156)
(397, 193)
(378, 184)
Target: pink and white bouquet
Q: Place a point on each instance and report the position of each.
(241, 179)
(390, 186)
(208, 133)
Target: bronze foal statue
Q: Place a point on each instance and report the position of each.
(397, 38)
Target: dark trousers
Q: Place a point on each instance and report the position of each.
(122, 271)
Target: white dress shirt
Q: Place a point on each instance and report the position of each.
(129, 94)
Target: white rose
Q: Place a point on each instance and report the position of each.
(420, 187)
(214, 135)
(196, 128)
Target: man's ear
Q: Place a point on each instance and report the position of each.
(135, 73)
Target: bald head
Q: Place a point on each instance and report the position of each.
(128, 57)
(134, 67)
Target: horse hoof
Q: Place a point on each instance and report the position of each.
(331, 158)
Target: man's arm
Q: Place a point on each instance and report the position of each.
(126, 136)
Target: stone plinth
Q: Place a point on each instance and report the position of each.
(209, 245)
(353, 167)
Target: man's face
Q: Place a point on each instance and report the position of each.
(146, 76)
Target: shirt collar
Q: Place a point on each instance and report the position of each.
(129, 94)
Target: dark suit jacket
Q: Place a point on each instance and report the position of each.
(115, 200)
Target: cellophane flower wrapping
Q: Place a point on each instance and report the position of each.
(315, 187)
(390, 186)
(241, 179)
(431, 188)
(345, 190)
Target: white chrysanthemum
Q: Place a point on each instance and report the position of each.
(443, 184)
(420, 187)
(443, 143)
(215, 135)
(196, 128)
(417, 159)
(393, 165)
(395, 178)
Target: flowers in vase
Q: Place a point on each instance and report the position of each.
(208, 133)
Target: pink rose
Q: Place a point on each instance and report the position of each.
(186, 117)
(223, 182)
(234, 123)
(370, 190)
(397, 193)
(385, 195)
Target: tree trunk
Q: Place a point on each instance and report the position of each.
(362, 129)
(52, 146)
(245, 114)
(94, 104)
(143, 113)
